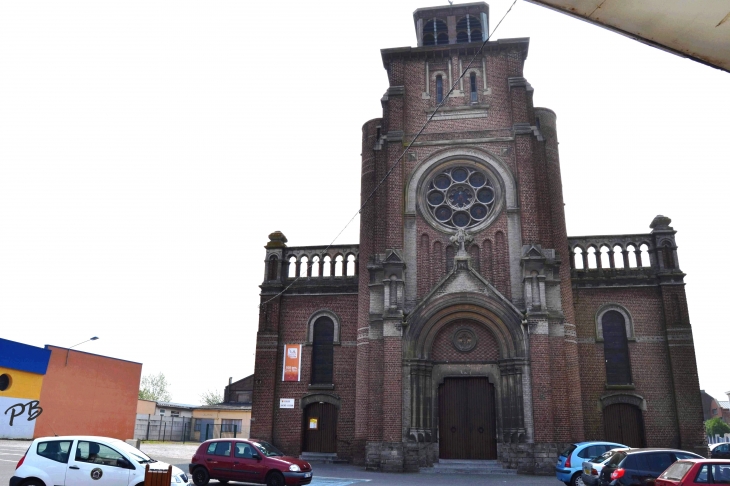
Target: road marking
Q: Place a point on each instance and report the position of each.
(7, 460)
(326, 481)
(10, 454)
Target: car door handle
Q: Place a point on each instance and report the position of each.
(73, 467)
(209, 460)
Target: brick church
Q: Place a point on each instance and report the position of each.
(467, 324)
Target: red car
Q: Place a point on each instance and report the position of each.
(248, 461)
(689, 472)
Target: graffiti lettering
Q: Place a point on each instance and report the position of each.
(19, 408)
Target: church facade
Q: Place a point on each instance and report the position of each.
(467, 324)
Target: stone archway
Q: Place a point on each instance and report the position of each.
(479, 339)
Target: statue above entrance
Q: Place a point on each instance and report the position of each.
(463, 239)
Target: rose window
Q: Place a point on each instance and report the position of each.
(460, 197)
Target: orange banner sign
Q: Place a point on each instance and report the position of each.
(292, 362)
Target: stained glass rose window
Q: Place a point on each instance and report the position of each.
(460, 197)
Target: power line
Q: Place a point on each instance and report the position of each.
(398, 160)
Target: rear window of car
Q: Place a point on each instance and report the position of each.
(676, 471)
(616, 459)
(219, 448)
(55, 450)
(569, 450)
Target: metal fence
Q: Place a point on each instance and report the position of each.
(205, 431)
(155, 427)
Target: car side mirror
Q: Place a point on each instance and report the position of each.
(256, 456)
(125, 464)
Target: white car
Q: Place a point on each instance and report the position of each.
(86, 460)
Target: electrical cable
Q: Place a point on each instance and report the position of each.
(398, 160)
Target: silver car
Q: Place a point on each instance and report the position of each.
(592, 467)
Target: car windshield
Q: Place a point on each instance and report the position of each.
(603, 457)
(134, 453)
(267, 449)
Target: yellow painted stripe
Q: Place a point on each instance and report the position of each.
(22, 384)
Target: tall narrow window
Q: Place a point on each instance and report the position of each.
(616, 348)
(273, 267)
(322, 351)
(473, 87)
(439, 89)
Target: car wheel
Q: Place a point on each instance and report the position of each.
(35, 482)
(275, 479)
(576, 480)
(201, 476)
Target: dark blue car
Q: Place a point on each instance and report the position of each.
(570, 462)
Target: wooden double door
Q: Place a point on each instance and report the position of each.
(467, 419)
(624, 424)
(320, 428)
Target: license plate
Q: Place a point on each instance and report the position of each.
(587, 470)
(308, 475)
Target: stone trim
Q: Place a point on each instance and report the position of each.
(622, 397)
(313, 318)
(310, 398)
(628, 320)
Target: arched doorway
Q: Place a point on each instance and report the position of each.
(467, 419)
(320, 428)
(624, 424)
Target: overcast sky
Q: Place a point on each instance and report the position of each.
(147, 149)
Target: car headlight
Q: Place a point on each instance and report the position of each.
(177, 479)
(294, 468)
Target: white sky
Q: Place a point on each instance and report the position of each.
(147, 149)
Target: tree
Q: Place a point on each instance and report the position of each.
(211, 398)
(154, 387)
(715, 426)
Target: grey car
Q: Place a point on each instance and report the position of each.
(592, 467)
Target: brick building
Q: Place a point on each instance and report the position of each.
(467, 324)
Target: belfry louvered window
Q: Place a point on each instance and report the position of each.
(322, 351)
(616, 348)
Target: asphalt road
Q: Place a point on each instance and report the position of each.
(325, 474)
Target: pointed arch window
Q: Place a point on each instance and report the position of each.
(323, 351)
(616, 348)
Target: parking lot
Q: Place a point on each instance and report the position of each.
(324, 474)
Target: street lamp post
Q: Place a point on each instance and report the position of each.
(82, 342)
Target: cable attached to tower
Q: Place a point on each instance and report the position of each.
(398, 160)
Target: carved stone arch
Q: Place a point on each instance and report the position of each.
(504, 324)
(628, 320)
(622, 397)
(313, 318)
(311, 398)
